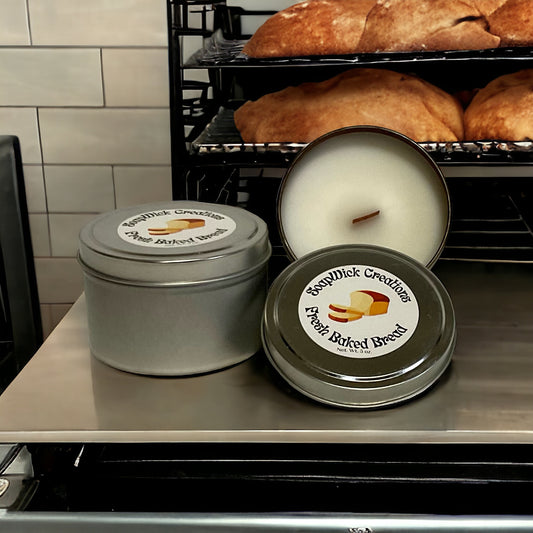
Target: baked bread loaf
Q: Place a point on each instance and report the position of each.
(316, 27)
(414, 25)
(502, 110)
(486, 7)
(362, 96)
(336, 27)
(513, 23)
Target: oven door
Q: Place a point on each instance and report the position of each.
(257, 523)
(208, 487)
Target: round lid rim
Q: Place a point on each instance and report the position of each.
(289, 277)
(247, 246)
(429, 365)
(378, 130)
(130, 252)
(361, 403)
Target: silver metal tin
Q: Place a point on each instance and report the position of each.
(350, 172)
(393, 353)
(175, 288)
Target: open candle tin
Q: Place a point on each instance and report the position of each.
(175, 288)
(358, 320)
(364, 185)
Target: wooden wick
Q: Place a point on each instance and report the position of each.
(365, 217)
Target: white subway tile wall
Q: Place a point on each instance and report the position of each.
(40, 236)
(50, 77)
(135, 77)
(84, 85)
(138, 185)
(14, 28)
(79, 189)
(98, 22)
(35, 194)
(64, 231)
(59, 279)
(113, 136)
(22, 122)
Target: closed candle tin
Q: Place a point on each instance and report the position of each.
(364, 185)
(358, 326)
(175, 288)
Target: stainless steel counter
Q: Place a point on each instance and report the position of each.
(65, 395)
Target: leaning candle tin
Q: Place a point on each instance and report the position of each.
(175, 288)
(364, 185)
(358, 326)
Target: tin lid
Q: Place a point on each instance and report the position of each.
(358, 326)
(364, 185)
(179, 242)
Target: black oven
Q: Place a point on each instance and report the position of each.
(307, 478)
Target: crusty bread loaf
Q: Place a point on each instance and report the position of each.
(360, 96)
(316, 27)
(503, 109)
(513, 23)
(336, 27)
(413, 25)
(486, 7)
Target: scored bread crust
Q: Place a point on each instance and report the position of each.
(315, 27)
(503, 109)
(513, 23)
(361, 96)
(418, 25)
(486, 7)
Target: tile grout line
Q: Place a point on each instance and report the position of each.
(39, 134)
(104, 103)
(28, 21)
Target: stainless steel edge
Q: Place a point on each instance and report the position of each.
(222, 523)
(486, 395)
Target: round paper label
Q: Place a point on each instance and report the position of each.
(176, 228)
(358, 311)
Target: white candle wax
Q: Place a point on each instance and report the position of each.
(355, 174)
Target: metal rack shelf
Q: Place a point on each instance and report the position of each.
(221, 51)
(222, 137)
(491, 220)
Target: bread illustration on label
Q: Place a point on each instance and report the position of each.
(362, 303)
(176, 225)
